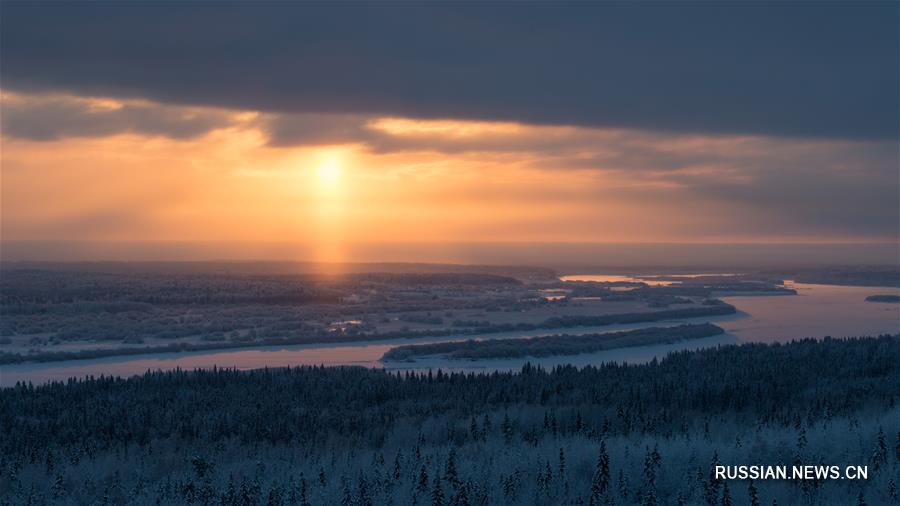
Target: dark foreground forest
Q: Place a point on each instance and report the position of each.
(617, 434)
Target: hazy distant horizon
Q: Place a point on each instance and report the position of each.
(542, 254)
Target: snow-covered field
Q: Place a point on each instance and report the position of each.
(817, 311)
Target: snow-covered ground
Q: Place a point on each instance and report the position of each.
(817, 311)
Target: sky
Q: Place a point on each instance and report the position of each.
(326, 124)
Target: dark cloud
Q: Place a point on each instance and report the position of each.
(44, 119)
(811, 189)
(811, 69)
(317, 129)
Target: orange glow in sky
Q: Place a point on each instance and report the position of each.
(402, 180)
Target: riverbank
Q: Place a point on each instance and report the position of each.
(562, 322)
(554, 345)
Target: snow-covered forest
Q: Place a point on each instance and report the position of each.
(617, 434)
(558, 344)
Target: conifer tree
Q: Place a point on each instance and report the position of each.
(451, 474)
(486, 427)
(230, 496)
(58, 489)
(462, 496)
(422, 484)
(897, 447)
(651, 461)
(623, 485)
(304, 494)
(397, 467)
(346, 496)
(753, 493)
(711, 485)
(506, 429)
(726, 495)
(508, 486)
(879, 456)
(362, 492)
(437, 494)
(562, 463)
(600, 483)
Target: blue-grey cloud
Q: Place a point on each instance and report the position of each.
(51, 118)
(317, 129)
(809, 69)
(816, 190)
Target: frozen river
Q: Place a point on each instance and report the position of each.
(817, 311)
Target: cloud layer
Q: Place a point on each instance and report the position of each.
(42, 118)
(808, 69)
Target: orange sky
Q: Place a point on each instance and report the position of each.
(401, 179)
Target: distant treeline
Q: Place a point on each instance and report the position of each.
(883, 298)
(432, 279)
(646, 434)
(712, 308)
(276, 268)
(696, 289)
(674, 294)
(36, 291)
(849, 276)
(545, 346)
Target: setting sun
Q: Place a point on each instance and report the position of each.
(328, 172)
